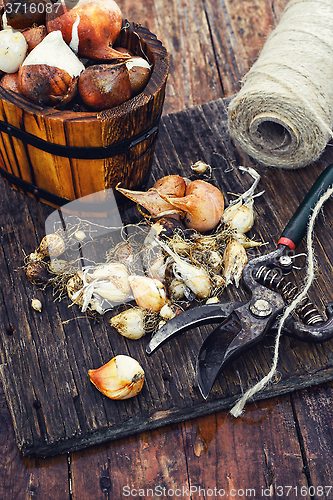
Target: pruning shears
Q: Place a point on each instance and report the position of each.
(244, 324)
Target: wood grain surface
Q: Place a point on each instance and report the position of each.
(280, 441)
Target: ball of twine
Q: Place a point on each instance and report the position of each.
(283, 114)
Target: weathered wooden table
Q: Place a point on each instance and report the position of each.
(282, 446)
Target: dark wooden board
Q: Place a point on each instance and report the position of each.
(45, 357)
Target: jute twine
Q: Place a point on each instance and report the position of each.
(237, 410)
(283, 114)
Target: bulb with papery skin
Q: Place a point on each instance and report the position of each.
(149, 293)
(139, 71)
(97, 26)
(153, 200)
(13, 49)
(49, 73)
(203, 205)
(121, 378)
(104, 86)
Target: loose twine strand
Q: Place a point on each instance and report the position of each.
(237, 410)
(283, 114)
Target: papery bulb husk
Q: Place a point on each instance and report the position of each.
(34, 35)
(239, 216)
(152, 200)
(212, 300)
(203, 205)
(58, 266)
(111, 291)
(130, 323)
(234, 259)
(121, 378)
(52, 245)
(124, 254)
(164, 227)
(149, 293)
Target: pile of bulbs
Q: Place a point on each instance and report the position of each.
(63, 51)
(192, 248)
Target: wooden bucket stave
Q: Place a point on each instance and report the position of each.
(80, 153)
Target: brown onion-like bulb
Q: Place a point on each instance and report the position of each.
(49, 73)
(121, 378)
(22, 15)
(139, 71)
(104, 86)
(97, 24)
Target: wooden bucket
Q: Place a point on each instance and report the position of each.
(62, 155)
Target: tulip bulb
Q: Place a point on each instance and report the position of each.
(130, 323)
(13, 49)
(36, 305)
(91, 26)
(74, 288)
(203, 205)
(121, 378)
(169, 311)
(104, 86)
(234, 259)
(177, 289)
(53, 51)
(37, 272)
(139, 71)
(195, 278)
(149, 293)
(49, 73)
(52, 245)
(246, 242)
(109, 281)
(239, 216)
(153, 200)
(201, 167)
